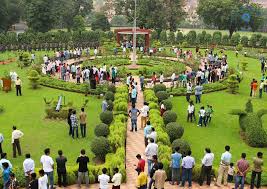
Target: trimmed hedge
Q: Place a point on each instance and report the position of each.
(174, 130)
(100, 147)
(102, 129)
(169, 116)
(72, 87)
(109, 96)
(106, 117)
(168, 104)
(162, 95)
(184, 146)
(159, 87)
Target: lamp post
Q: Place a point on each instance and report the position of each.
(134, 36)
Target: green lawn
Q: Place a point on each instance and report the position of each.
(224, 128)
(28, 114)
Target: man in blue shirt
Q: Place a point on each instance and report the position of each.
(133, 114)
(133, 95)
(175, 165)
(147, 131)
(198, 92)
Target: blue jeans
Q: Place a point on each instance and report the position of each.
(134, 124)
(200, 121)
(75, 129)
(149, 165)
(198, 98)
(239, 180)
(187, 176)
(50, 176)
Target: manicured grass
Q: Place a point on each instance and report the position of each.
(224, 128)
(28, 114)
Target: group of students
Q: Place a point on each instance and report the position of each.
(46, 174)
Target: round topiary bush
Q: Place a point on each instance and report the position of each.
(159, 87)
(162, 95)
(109, 96)
(100, 147)
(184, 146)
(168, 104)
(34, 78)
(106, 117)
(169, 116)
(110, 105)
(102, 129)
(174, 130)
(112, 88)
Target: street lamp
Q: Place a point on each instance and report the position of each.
(134, 35)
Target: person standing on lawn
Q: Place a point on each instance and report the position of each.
(201, 117)
(83, 117)
(261, 88)
(257, 170)
(242, 169)
(69, 122)
(48, 166)
(224, 167)
(190, 111)
(83, 161)
(61, 169)
(144, 115)
(18, 84)
(198, 93)
(1, 141)
(251, 86)
(16, 135)
(208, 114)
(133, 114)
(188, 91)
(176, 158)
(28, 167)
(188, 164)
(74, 124)
(206, 168)
(254, 88)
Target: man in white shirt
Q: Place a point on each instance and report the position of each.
(190, 111)
(161, 78)
(224, 167)
(48, 166)
(188, 164)
(103, 179)
(4, 160)
(28, 167)
(16, 135)
(151, 150)
(201, 117)
(153, 134)
(116, 179)
(1, 141)
(18, 84)
(95, 52)
(42, 181)
(207, 162)
(144, 114)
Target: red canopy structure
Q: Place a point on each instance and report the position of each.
(130, 31)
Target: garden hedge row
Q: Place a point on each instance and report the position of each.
(72, 87)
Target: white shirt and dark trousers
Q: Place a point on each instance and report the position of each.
(206, 168)
(16, 135)
(18, 87)
(48, 167)
(1, 141)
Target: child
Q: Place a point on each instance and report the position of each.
(201, 116)
(231, 173)
(43, 180)
(34, 182)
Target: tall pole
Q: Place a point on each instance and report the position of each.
(134, 35)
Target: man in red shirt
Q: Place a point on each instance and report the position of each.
(141, 163)
(242, 169)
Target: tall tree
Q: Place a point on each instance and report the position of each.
(174, 12)
(100, 22)
(40, 14)
(10, 13)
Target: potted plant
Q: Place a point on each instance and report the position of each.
(6, 82)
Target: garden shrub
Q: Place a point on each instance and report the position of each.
(109, 96)
(153, 105)
(110, 105)
(106, 117)
(100, 147)
(162, 95)
(174, 130)
(2, 109)
(162, 136)
(244, 41)
(239, 47)
(34, 78)
(112, 88)
(150, 96)
(184, 146)
(168, 104)
(235, 39)
(102, 129)
(169, 116)
(233, 84)
(159, 87)
(225, 39)
(121, 106)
